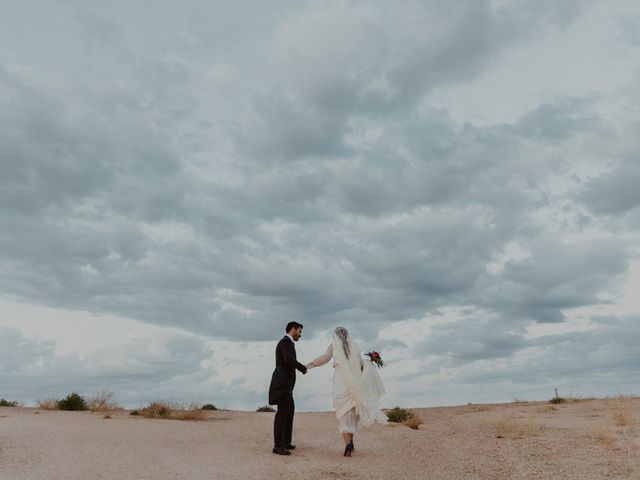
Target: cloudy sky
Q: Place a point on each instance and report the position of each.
(456, 183)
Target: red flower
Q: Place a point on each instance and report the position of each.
(375, 358)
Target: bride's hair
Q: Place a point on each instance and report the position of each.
(343, 335)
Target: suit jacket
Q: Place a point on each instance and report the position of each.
(284, 376)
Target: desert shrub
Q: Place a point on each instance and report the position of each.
(48, 404)
(405, 416)
(172, 410)
(73, 401)
(413, 421)
(557, 398)
(102, 402)
(134, 412)
(209, 406)
(157, 410)
(7, 403)
(399, 415)
(266, 408)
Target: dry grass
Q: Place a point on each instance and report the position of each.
(48, 404)
(157, 410)
(470, 408)
(173, 410)
(579, 399)
(621, 417)
(413, 422)
(622, 396)
(514, 427)
(408, 417)
(102, 402)
(545, 409)
(602, 435)
(189, 414)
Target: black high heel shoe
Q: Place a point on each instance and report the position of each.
(348, 449)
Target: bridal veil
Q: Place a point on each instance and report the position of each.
(357, 383)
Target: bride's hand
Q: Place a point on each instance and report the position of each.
(309, 366)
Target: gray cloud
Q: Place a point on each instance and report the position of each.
(125, 218)
(558, 276)
(471, 339)
(206, 178)
(607, 350)
(372, 68)
(616, 191)
(19, 352)
(480, 359)
(551, 122)
(32, 369)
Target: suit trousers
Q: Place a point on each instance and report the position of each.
(283, 422)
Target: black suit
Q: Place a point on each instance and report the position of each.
(281, 390)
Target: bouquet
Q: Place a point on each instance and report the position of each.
(375, 358)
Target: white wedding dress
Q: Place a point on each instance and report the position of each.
(357, 386)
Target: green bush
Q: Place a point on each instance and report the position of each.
(399, 415)
(134, 412)
(266, 408)
(209, 406)
(7, 403)
(74, 401)
(557, 398)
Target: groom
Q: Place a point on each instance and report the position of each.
(281, 389)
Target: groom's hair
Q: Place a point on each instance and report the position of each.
(291, 325)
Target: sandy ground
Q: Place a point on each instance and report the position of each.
(587, 439)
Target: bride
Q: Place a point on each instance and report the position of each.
(357, 387)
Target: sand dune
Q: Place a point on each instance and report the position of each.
(588, 439)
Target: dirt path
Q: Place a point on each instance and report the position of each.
(590, 439)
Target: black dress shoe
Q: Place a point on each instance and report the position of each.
(281, 451)
(291, 446)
